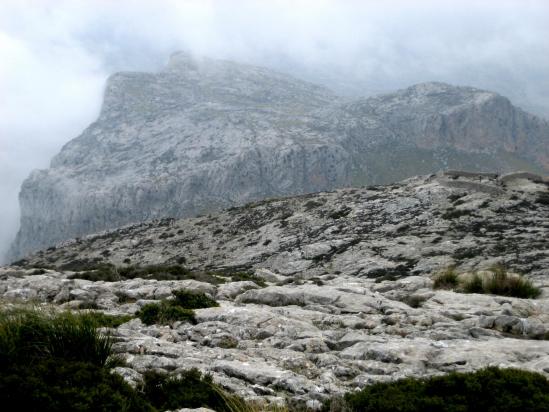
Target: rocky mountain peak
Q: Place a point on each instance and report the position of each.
(204, 134)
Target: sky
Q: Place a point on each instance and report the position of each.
(56, 55)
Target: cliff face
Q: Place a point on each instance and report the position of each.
(206, 134)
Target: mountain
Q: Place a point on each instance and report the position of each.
(322, 293)
(206, 134)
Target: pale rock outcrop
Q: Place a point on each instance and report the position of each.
(349, 298)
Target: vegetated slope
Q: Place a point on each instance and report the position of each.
(318, 294)
(205, 134)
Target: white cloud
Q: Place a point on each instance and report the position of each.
(55, 55)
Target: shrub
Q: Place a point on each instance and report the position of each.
(27, 335)
(164, 313)
(59, 362)
(180, 308)
(488, 390)
(190, 388)
(448, 279)
(61, 385)
(193, 300)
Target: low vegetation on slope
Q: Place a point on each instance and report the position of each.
(496, 282)
(108, 272)
(180, 308)
(61, 362)
(488, 390)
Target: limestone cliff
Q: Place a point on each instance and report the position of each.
(205, 134)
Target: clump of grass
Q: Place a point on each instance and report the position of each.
(499, 282)
(180, 308)
(26, 335)
(59, 361)
(447, 279)
(491, 390)
(474, 285)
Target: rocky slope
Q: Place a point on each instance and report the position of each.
(206, 134)
(349, 296)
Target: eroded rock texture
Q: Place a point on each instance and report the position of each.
(349, 296)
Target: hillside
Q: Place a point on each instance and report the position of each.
(321, 293)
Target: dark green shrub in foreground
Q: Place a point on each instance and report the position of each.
(58, 385)
(27, 335)
(191, 389)
(474, 285)
(503, 284)
(488, 390)
(59, 362)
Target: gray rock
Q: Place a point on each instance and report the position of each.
(205, 134)
(359, 307)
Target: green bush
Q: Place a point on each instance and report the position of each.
(164, 313)
(190, 388)
(488, 390)
(59, 362)
(189, 299)
(54, 384)
(27, 335)
(180, 308)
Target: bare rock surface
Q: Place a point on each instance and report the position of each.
(348, 297)
(203, 134)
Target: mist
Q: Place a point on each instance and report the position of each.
(56, 55)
